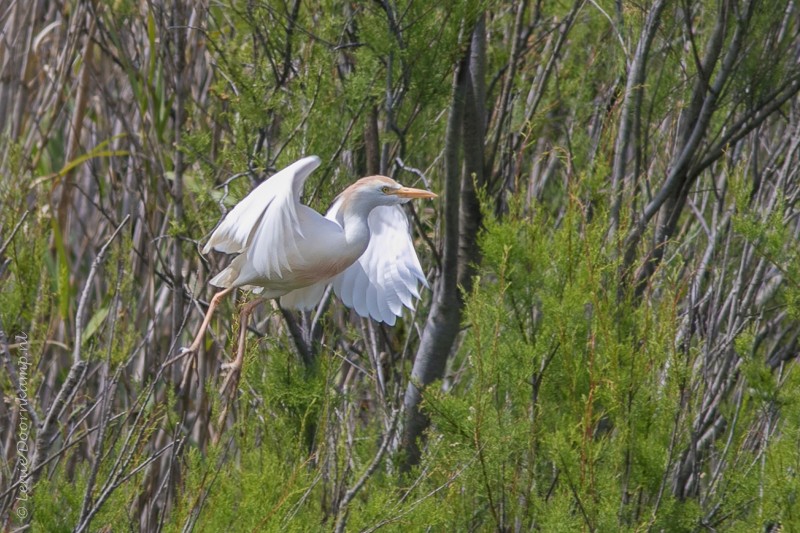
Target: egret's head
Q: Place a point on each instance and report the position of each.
(381, 190)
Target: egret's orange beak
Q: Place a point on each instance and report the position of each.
(408, 192)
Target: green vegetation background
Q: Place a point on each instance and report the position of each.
(591, 387)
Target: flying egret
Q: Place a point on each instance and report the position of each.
(362, 246)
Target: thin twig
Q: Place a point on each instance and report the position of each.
(341, 519)
(13, 233)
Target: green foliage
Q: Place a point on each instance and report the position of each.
(57, 505)
(567, 418)
(570, 402)
(243, 495)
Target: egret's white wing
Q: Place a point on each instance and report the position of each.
(280, 193)
(386, 275)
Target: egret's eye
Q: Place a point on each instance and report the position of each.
(386, 189)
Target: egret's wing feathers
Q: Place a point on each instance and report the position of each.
(278, 195)
(386, 275)
(294, 252)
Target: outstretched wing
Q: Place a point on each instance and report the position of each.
(272, 208)
(385, 278)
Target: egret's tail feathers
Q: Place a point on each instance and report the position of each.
(305, 298)
(229, 276)
(224, 279)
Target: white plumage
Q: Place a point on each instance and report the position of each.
(362, 246)
(385, 277)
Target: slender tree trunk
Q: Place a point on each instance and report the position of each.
(466, 127)
(443, 320)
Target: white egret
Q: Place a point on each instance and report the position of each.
(362, 246)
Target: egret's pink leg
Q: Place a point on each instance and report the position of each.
(235, 367)
(212, 306)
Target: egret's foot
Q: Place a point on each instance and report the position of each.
(231, 382)
(195, 346)
(233, 365)
(233, 369)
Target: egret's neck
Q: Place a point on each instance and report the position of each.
(356, 228)
(354, 216)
